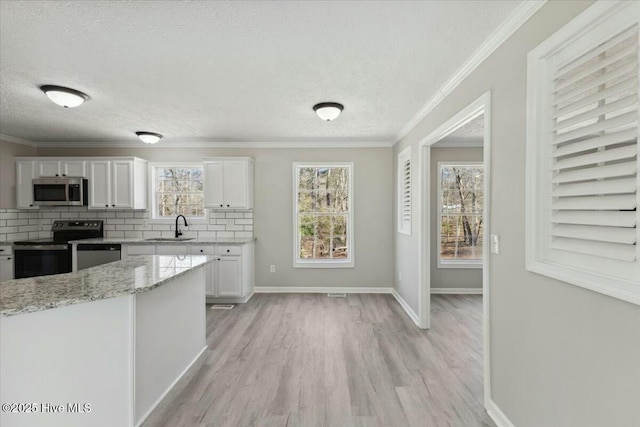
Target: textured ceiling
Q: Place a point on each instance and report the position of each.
(231, 71)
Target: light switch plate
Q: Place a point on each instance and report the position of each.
(495, 244)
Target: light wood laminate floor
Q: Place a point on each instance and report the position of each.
(307, 360)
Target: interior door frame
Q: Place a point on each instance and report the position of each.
(480, 106)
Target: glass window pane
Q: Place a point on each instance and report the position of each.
(179, 191)
(461, 237)
(323, 192)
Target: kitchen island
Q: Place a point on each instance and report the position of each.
(101, 346)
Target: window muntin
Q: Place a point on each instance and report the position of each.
(177, 189)
(323, 215)
(460, 214)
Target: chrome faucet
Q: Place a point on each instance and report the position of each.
(178, 232)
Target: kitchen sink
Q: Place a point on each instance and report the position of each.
(168, 239)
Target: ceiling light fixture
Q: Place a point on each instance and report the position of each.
(328, 110)
(149, 137)
(64, 96)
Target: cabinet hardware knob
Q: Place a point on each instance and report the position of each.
(57, 175)
(30, 205)
(1, 250)
(228, 250)
(64, 174)
(107, 205)
(227, 205)
(221, 205)
(9, 258)
(201, 250)
(113, 206)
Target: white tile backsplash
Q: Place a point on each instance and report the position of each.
(18, 224)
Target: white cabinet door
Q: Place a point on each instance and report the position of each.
(213, 184)
(210, 271)
(74, 168)
(229, 283)
(100, 184)
(25, 173)
(49, 168)
(6, 268)
(235, 183)
(122, 190)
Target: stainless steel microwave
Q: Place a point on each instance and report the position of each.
(64, 191)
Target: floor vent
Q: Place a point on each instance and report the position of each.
(222, 306)
(336, 295)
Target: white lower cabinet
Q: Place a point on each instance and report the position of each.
(229, 278)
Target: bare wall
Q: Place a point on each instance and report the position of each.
(561, 356)
(449, 277)
(8, 152)
(273, 209)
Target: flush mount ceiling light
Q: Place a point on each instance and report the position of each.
(149, 137)
(328, 110)
(64, 96)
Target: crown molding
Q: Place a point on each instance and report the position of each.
(14, 140)
(516, 19)
(216, 144)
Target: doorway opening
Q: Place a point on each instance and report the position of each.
(455, 216)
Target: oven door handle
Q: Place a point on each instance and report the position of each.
(41, 248)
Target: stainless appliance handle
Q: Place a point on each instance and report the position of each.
(40, 248)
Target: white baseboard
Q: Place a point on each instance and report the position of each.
(157, 402)
(229, 300)
(412, 314)
(319, 290)
(497, 415)
(469, 291)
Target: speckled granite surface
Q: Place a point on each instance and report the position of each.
(141, 241)
(135, 274)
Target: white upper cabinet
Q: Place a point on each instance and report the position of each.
(49, 168)
(74, 168)
(99, 184)
(25, 173)
(62, 167)
(118, 183)
(228, 183)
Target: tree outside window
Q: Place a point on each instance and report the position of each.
(178, 190)
(323, 214)
(461, 202)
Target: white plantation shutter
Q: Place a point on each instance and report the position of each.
(404, 191)
(584, 185)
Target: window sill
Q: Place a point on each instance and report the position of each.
(323, 264)
(173, 221)
(460, 264)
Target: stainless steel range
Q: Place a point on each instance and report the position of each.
(41, 257)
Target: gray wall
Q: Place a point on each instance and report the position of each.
(560, 355)
(8, 152)
(273, 209)
(449, 277)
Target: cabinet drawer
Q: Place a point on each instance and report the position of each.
(171, 250)
(202, 250)
(141, 250)
(229, 250)
(6, 250)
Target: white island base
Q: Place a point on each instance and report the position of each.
(101, 363)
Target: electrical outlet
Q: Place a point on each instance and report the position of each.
(399, 276)
(272, 268)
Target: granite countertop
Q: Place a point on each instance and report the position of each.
(143, 241)
(136, 274)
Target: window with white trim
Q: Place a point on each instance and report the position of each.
(582, 153)
(323, 215)
(460, 214)
(404, 191)
(177, 189)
